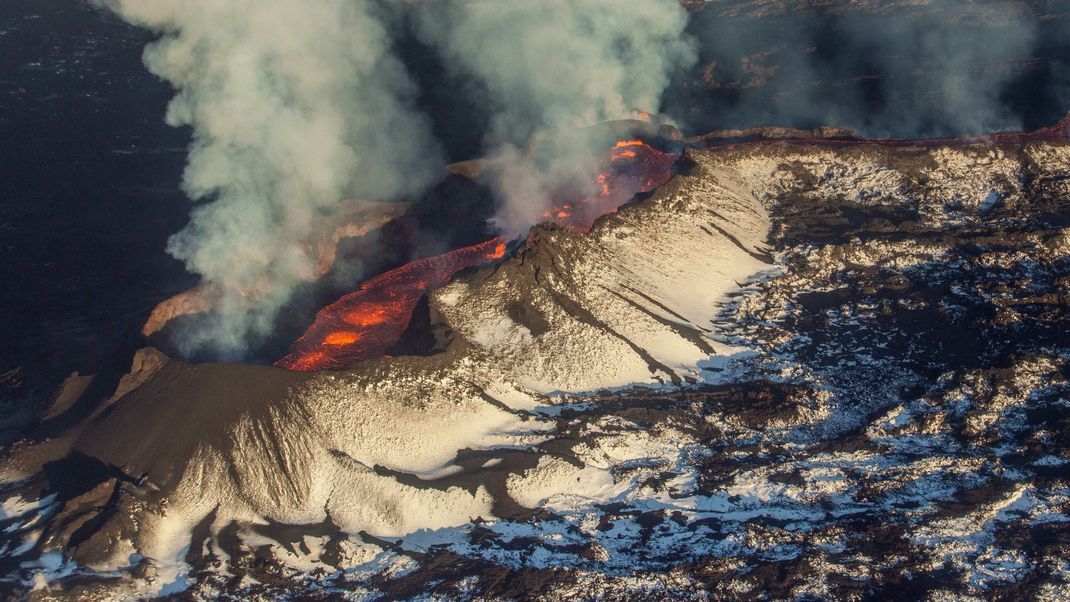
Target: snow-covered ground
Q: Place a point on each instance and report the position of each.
(793, 372)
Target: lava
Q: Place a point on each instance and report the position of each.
(365, 323)
(629, 168)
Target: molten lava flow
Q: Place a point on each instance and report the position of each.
(629, 168)
(364, 324)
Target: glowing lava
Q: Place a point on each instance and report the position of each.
(365, 323)
(629, 168)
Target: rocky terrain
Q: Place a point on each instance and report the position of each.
(796, 371)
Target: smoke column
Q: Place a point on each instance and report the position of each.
(294, 106)
(549, 67)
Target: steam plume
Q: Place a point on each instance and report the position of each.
(294, 106)
(550, 67)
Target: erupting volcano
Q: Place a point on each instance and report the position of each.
(365, 323)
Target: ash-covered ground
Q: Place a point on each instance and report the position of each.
(856, 369)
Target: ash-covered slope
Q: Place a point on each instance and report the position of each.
(882, 410)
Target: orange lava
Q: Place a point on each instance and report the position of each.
(367, 316)
(338, 339)
(629, 168)
(365, 323)
(307, 362)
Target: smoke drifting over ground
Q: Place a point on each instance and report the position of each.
(294, 107)
(960, 69)
(908, 70)
(547, 68)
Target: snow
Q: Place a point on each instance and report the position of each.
(555, 483)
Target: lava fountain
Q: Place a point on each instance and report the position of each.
(365, 323)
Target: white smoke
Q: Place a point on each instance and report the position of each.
(294, 106)
(549, 67)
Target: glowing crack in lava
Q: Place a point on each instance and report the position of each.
(365, 323)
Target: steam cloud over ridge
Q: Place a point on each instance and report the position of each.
(294, 106)
(560, 63)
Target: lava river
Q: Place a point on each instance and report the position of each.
(366, 322)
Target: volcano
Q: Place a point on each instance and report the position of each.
(815, 352)
(365, 323)
(781, 360)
